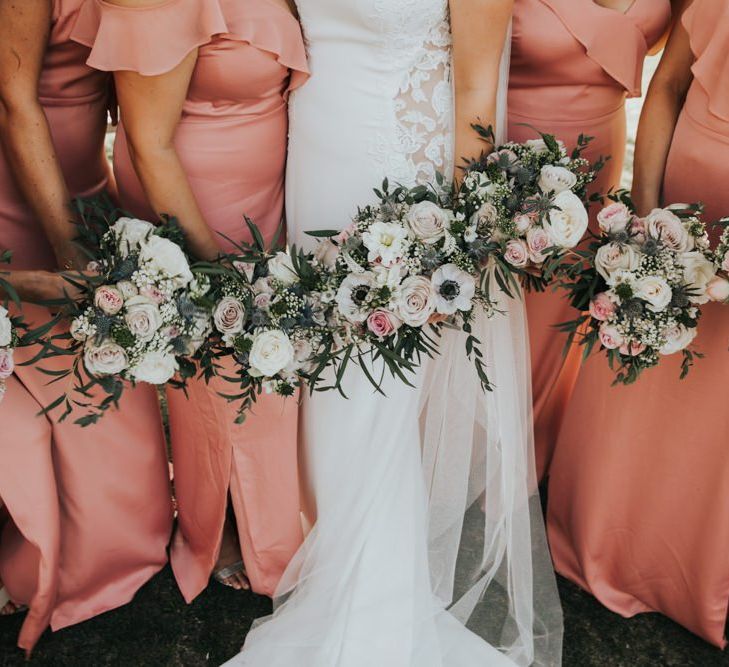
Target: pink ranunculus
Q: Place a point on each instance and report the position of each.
(7, 365)
(108, 300)
(153, 294)
(610, 337)
(523, 223)
(717, 289)
(344, 235)
(638, 230)
(538, 241)
(517, 253)
(383, 323)
(614, 218)
(602, 307)
(632, 349)
(262, 300)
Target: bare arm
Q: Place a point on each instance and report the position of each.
(479, 30)
(150, 109)
(35, 286)
(24, 131)
(658, 120)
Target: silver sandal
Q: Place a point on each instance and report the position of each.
(227, 572)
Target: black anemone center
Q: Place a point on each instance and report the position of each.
(450, 289)
(359, 294)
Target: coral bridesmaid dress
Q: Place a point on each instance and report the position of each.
(573, 65)
(637, 500)
(232, 144)
(89, 509)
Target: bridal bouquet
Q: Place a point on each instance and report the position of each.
(718, 288)
(641, 282)
(523, 206)
(142, 310)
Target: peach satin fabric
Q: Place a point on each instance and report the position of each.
(90, 511)
(636, 509)
(232, 143)
(573, 64)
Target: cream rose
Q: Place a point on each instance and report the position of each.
(416, 301)
(718, 289)
(162, 255)
(567, 224)
(556, 179)
(229, 316)
(6, 328)
(697, 272)
(281, 268)
(127, 289)
(612, 257)
(155, 368)
(516, 253)
(428, 222)
(663, 225)
(108, 358)
(538, 242)
(614, 218)
(142, 317)
(130, 233)
(655, 291)
(271, 353)
(108, 300)
(610, 337)
(677, 338)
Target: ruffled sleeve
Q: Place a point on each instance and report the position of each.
(150, 40)
(707, 23)
(616, 43)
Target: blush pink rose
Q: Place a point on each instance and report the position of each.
(601, 307)
(638, 229)
(610, 337)
(717, 289)
(614, 218)
(7, 365)
(538, 241)
(344, 235)
(153, 294)
(517, 253)
(522, 222)
(632, 349)
(108, 300)
(383, 323)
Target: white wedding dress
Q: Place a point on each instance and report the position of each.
(371, 585)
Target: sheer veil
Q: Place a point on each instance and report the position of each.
(488, 552)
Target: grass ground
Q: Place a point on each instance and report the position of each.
(158, 629)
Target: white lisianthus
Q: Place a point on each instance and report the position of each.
(664, 225)
(554, 178)
(6, 328)
(353, 296)
(454, 289)
(387, 242)
(654, 290)
(698, 273)
(167, 258)
(415, 301)
(280, 268)
(677, 338)
(612, 257)
(130, 233)
(104, 359)
(271, 353)
(428, 222)
(229, 317)
(155, 368)
(567, 224)
(142, 317)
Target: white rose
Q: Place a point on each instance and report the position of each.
(698, 273)
(6, 328)
(556, 179)
(612, 257)
(155, 368)
(229, 316)
(162, 255)
(567, 224)
(655, 290)
(428, 221)
(271, 353)
(130, 233)
(416, 301)
(677, 338)
(667, 227)
(108, 358)
(718, 289)
(127, 289)
(281, 268)
(142, 317)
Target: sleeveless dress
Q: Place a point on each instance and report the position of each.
(89, 508)
(358, 593)
(573, 65)
(231, 141)
(636, 514)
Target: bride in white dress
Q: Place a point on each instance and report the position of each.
(424, 498)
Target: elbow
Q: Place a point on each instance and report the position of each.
(148, 154)
(15, 107)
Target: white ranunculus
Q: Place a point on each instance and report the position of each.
(666, 226)
(387, 242)
(454, 289)
(162, 255)
(142, 317)
(612, 257)
(271, 353)
(655, 290)
(281, 268)
(130, 233)
(155, 368)
(229, 316)
(428, 222)
(678, 338)
(697, 272)
(553, 178)
(567, 224)
(415, 301)
(353, 296)
(104, 359)
(6, 328)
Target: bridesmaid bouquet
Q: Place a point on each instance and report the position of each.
(142, 311)
(718, 288)
(8, 334)
(523, 207)
(641, 282)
